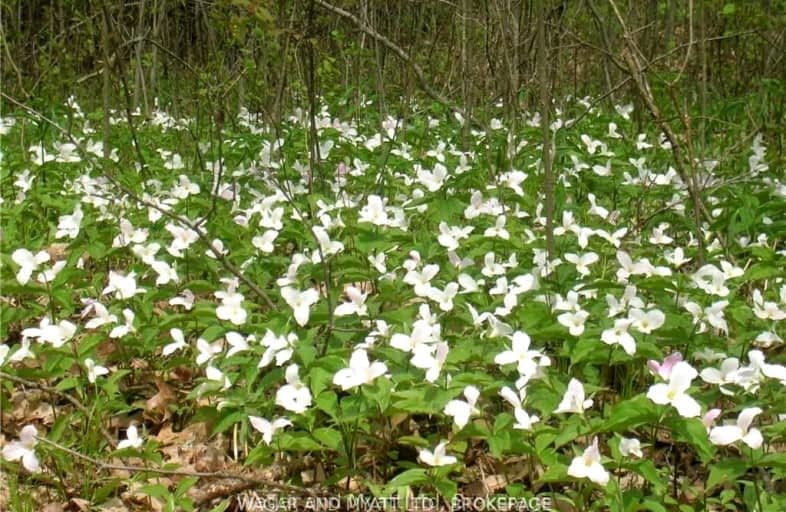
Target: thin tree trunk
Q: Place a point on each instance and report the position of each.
(106, 72)
(139, 77)
(545, 122)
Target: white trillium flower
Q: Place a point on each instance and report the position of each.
(582, 261)
(588, 465)
(132, 440)
(265, 242)
(421, 280)
(444, 298)
(630, 447)
(374, 211)
(574, 399)
(360, 371)
(124, 329)
(438, 457)
(742, 431)
(55, 334)
(166, 272)
(22, 353)
(268, 428)
(146, 253)
(124, 287)
(48, 275)
(727, 374)
(528, 361)
(300, 302)
(216, 375)
(294, 396)
(237, 343)
(430, 358)
(646, 322)
(231, 307)
(102, 316)
(356, 304)
(24, 449)
(207, 351)
(674, 392)
(68, 225)
(619, 335)
(498, 230)
(574, 321)
(94, 371)
(28, 262)
(278, 348)
(461, 410)
(179, 343)
(186, 299)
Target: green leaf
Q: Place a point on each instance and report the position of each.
(329, 437)
(729, 9)
(413, 476)
(759, 271)
(692, 431)
(647, 469)
(299, 442)
(629, 413)
(447, 488)
(67, 383)
(155, 490)
(327, 402)
(228, 419)
(772, 460)
(555, 473)
(319, 379)
(726, 470)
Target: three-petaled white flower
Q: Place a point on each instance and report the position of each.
(355, 305)
(461, 410)
(124, 287)
(430, 358)
(178, 344)
(619, 335)
(28, 262)
(528, 361)
(94, 371)
(438, 457)
(294, 396)
(231, 307)
(630, 447)
(300, 302)
(588, 465)
(421, 280)
(268, 428)
(574, 399)
(24, 449)
(132, 440)
(742, 431)
(359, 372)
(674, 392)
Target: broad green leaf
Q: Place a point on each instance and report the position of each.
(725, 471)
(629, 413)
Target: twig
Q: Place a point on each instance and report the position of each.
(101, 465)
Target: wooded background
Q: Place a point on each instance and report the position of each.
(706, 58)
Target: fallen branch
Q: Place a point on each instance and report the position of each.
(250, 480)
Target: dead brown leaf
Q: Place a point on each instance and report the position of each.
(157, 406)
